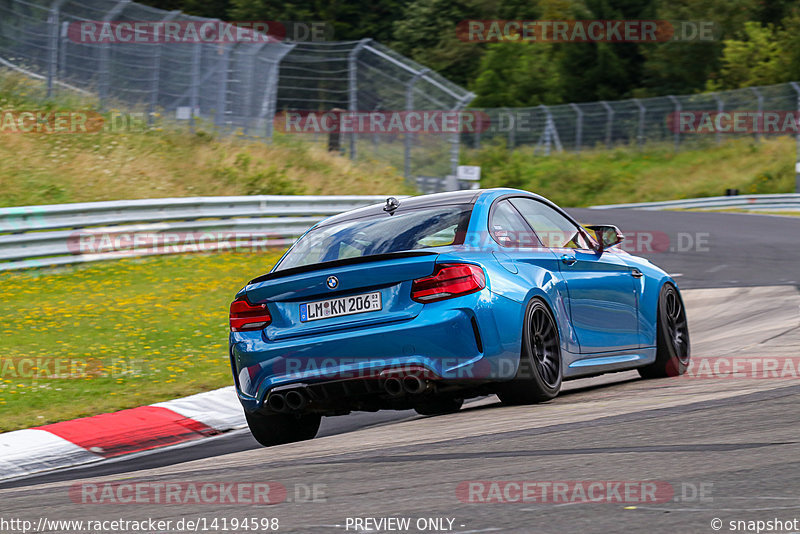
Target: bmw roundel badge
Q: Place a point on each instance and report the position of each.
(332, 282)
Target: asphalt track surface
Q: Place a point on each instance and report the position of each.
(737, 438)
(711, 249)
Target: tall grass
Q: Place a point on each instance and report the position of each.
(631, 175)
(164, 159)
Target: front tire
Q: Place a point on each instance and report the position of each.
(539, 374)
(280, 428)
(673, 350)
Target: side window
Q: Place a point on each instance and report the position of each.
(509, 229)
(552, 228)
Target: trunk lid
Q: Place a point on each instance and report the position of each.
(390, 275)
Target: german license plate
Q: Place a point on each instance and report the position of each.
(325, 309)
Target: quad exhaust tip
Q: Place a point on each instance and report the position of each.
(414, 385)
(409, 384)
(393, 386)
(295, 400)
(291, 401)
(277, 402)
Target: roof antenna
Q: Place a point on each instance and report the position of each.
(391, 205)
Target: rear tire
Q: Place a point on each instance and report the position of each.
(539, 374)
(673, 350)
(280, 428)
(439, 406)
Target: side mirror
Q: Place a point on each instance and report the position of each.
(607, 235)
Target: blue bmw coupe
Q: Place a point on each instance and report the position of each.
(425, 301)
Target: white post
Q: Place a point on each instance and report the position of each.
(678, 108)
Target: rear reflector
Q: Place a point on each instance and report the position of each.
(245, 316)
(448, 281)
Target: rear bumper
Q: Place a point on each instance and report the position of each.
(456, 341)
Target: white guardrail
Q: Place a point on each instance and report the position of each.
(59, 234)
(777, 202)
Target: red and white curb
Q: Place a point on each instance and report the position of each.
(90, 439)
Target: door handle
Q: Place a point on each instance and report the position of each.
(637, 273)
(569, 260)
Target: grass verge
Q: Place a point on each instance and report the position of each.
(629, 175)
(102, 337)
(163, 160)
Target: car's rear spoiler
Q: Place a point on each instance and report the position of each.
(339, 263)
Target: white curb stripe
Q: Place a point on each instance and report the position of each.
(219, 409)
(28, 451)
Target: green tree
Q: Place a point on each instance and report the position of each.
(427, 33)
(753, 60)
(684, 67)
(517, 74)
(603, 71)
(789, 39)
(214, 9)
(350, 19)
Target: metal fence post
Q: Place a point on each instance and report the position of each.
(476, 141)
(678, 108)
(796, 88)
(378, 105)
(549, 133)
(760, 120)
(455, 139)
(157, 69)
(352, 89)
(270, 105)
(194, 94)
(640, 127)
(720, 109)
(250, 86)
(407, 136)
(578, 126)
(512, 142)
(609, 122)
(105, 51)
(223, 52)
(52, 56)
(62, 50)
(546, 139)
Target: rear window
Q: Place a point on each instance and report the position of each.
(382, 234)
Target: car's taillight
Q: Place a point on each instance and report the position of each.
(245, 316)
(448, 281)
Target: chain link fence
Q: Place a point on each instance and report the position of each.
(245, 87)
(232, 86)
(688, 121)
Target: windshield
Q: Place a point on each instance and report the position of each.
(409, 230)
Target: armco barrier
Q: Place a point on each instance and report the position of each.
(777, 202)
(35, 236)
